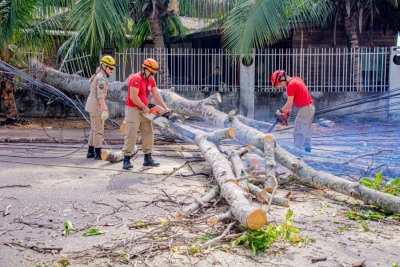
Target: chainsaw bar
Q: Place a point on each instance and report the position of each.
(158, 120)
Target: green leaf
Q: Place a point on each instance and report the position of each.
(289, 214)
(195, 249)
(69, 228)
(125, 256)
(262, 239)
(365, 228)
(207, 237)
(92, 231)
(64, 262)
(396, 216)
(140, 225)
(378, 180)
(367, 182)
(376, 215)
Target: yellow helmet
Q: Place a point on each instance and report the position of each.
(109, 61)
(151, 65)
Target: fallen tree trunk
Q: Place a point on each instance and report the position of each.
(317, 178)
(241, 207)
(115, 156)
(245, 134)
(270, 165)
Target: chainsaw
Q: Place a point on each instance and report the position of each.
(282, 119)
(157, 115)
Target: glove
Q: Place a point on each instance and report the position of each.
(278, 112)
(104, 115)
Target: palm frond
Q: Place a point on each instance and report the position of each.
(253, 24)
(173, 27)
(100, 23)
(179, 28)
(69, 48)
(141, 32)
(260, 23)
(47, 33)
(210, 9)
(14, 15)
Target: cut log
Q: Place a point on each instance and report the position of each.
(264, 197)
(317, 178)
(239, 167)
(241, 207)
(254, 123)
(214, 220)
(115, 156)
(271, 183)
(214, 192)
(245, 134)
(237, 164)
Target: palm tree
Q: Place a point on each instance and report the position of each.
(357, 16)
(15, 17)
(260, 23)
(89, 26)
(103, 23)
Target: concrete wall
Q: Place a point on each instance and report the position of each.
(265, 103)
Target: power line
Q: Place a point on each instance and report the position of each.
(43, 89)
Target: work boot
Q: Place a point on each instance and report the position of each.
(90, 152)
(149, 161)
(127, 163)
(97, 153)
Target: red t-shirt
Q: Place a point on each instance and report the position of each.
(298, 89)
(144, 86)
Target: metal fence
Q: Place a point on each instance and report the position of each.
(29, 58)
(323, 69)
(326, 69)
(189, 69)
(79, 65)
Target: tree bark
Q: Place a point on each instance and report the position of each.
(239, 167)
(247, 136)
(270, 165)
(155, 21)
(198, 203)
(241, 206)
(350, 24)
(10, 106)
(115, 156)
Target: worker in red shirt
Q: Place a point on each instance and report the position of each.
(140, 86)
(299, 96)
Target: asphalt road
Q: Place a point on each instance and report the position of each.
(44, 185)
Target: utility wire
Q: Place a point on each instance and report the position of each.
(43, 89)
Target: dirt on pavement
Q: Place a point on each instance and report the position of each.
(43, 186)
